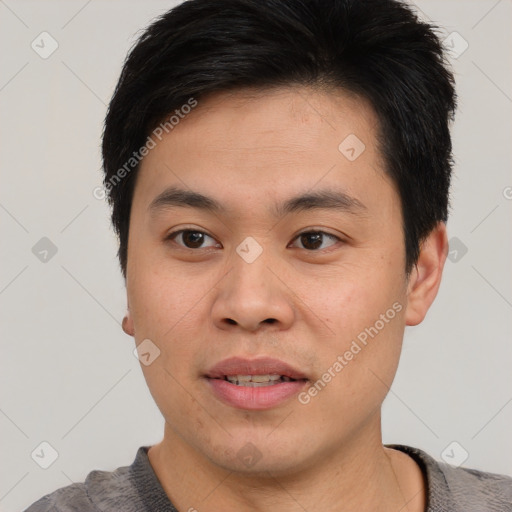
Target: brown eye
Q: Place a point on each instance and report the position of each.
(314, 240)
(191, 238)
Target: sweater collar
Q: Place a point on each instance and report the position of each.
(151, 491)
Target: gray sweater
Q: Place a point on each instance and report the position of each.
(136, 488)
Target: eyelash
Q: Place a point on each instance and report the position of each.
(174, 234)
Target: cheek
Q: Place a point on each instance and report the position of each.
(178, 401)
(164, 301)
(348, 298)
(165, 311)
(364, 311)
(356, 372)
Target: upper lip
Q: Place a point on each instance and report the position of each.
(259, 366)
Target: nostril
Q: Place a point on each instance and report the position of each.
(270, 320)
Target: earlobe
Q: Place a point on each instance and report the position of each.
(425, 278)
(127, 324)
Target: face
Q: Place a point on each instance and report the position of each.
(292, 263)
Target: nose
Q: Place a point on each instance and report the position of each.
(251, 295)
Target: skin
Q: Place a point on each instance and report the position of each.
(249, 151)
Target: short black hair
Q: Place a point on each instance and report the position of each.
(377, 49)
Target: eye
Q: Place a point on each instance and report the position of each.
(314, 240)
(195, 239)
(191, 239)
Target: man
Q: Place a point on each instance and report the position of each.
(279, 175)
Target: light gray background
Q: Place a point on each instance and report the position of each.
(68, 374)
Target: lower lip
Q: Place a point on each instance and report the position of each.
(258, 398)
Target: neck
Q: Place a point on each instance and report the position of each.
(362, 474)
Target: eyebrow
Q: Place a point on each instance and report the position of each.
(325, 199)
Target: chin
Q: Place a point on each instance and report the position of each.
(258, 455)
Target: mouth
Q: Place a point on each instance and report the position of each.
(255, 384)
(263, 370)
(256, 381)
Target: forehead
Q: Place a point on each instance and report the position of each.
(276, 121)
(254, 143)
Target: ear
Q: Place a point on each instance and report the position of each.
(425, 277)
(127, 324)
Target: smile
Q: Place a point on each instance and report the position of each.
(254, 381)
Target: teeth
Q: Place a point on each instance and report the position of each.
(255, 384)
(256, 380)
(263, 378)
(241, 378)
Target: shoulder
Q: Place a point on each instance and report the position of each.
(100, 491)
(484, 491)
(70, 498)
(458, 489)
